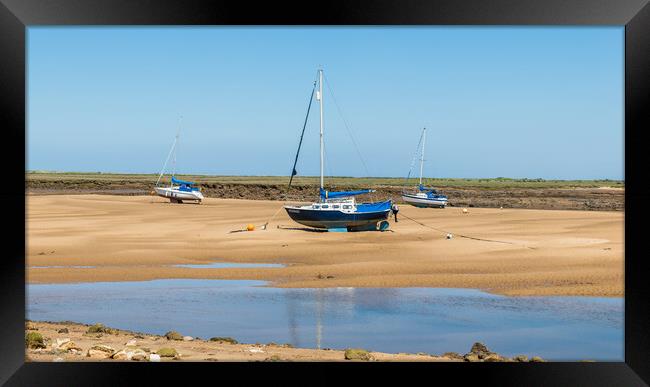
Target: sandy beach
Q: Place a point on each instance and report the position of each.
(504, 251)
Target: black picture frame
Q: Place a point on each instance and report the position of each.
(17, 15)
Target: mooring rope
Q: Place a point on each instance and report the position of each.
(271, 218)
(467, 236)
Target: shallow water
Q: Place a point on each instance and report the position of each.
(224, 265)
(391, 320)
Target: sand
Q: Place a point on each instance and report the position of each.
(128, 238)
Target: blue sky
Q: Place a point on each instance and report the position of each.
(536, 102)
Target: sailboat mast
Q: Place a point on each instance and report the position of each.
(320, 99)
(178, 132)
(424, 139)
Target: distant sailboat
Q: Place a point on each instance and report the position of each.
(424, 197)
(337, 210)
(178, 190)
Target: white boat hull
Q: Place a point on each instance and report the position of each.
(424, 202)
(175, 194)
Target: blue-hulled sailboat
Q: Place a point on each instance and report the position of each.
(337, 210)
(424, 197)
(178, 190)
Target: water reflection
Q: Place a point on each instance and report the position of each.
(388, 320)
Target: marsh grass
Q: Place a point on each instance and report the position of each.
(100, 179)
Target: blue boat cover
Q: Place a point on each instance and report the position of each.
(373, 207)
(324, 194)
(431, 193)
(176, 181)
(425, 189)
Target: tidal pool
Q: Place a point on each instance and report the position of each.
(431, 320)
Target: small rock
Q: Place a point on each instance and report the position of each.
(493, 357)
(68, 346)
(453, 355)
(167, 352)
(139, 355)
(357, 354)
(480, 350)
(471, 357)
(131, 343)
(58, 359)
(479, 347)
(100, 352)
(136, 354)
(537, 359)
(97, 328)
(188, 338)
(122, 355)
(224, 339)
(63, 330)
(520, 358)
(97, 354)
(60, 342)
(173, 335)
(273, 358)
(154, 357)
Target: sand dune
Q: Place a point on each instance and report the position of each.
(505, 251)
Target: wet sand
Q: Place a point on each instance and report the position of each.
(129, 238)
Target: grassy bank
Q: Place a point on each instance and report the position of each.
(483, 183)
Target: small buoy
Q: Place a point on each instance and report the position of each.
(465, 210)
(449, 236)
(501, 208)
(250, 227)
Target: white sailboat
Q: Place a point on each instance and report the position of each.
(178, 190)
(424, 197)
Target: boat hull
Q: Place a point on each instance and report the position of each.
(424, 202)
(178, 195)
(335, 219)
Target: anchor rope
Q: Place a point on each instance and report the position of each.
(467, 236)
(271, 218)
